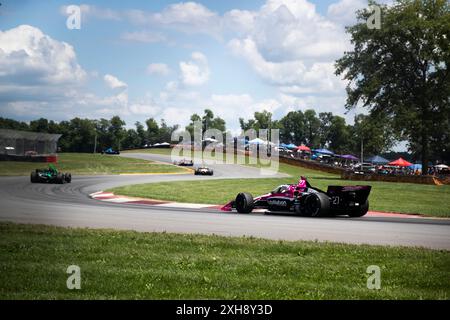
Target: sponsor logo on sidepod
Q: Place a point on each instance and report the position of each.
(279, 203)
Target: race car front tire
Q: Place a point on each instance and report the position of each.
(317, 205)
(244, 202)
(68, 177)
(34, 177)
(359, 211)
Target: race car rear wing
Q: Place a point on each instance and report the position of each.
(343, 196)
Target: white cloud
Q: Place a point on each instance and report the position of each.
(27, 56)
(95, 12)
(143, 36)
(284, 30)
(343, 12)
(188, 17)
(293, 76)
(185, 12)
(176, 94)
(161, 69)
(147, 109)
(196, 71)
(185, 17)
(239, 21)
(178, 115)
(114, 83)
(40, 75)
(287, 43)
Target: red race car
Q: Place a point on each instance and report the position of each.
(305, 200)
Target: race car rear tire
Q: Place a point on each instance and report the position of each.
(34, 177)
(317, 205)
(244, 202)
(68, 177)
(359, 211)
(60, 178)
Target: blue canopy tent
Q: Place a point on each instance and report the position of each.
(349, 157)
(323, 151)
(284, 145)
(291, 146)
(378, 160)
(416, 166)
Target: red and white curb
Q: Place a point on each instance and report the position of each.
(111, 197)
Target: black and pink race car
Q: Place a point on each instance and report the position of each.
(305, 200)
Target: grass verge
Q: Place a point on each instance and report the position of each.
(164, 151)
(87, 163)
(132, 265)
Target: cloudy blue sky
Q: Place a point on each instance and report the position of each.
(168, 59)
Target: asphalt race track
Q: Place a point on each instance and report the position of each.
(70, 205)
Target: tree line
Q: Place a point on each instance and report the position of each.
(315, 130)
(83, 135)
(323, 130)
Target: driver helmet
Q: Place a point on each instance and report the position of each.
(301, 186)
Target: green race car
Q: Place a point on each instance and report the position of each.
(50, 175)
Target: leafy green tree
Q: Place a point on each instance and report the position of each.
(246, 125)
(152, 131)
(81, 135)
(292, 128)
(117, 132)
(311, 125)
(132, 140)
(40, 125)
(6, 123)
(440, 142)
(339, 135)
(219, 124)
(375, 132)
(326, 119)
(262, 120)
(64, 142)
(401, 69)
(104, 139)
(165, 131)
(140, 130)
(190, 127)
(53, 127)
(208, 121)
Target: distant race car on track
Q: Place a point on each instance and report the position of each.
(205, 171)
(50, 175)
(184, 162)
(110, 151)
(305, 200)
